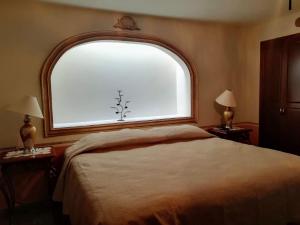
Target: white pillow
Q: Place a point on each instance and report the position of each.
(137, 136)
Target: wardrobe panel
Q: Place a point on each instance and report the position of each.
(280, 94)
(293, 70)
(270, 97)
(290, 131)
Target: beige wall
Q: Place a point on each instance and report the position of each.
(249, 64)
(29, 31)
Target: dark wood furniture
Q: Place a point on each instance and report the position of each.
(280, 94)
(238, 134)
(40, 161)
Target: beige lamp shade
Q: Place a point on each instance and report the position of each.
(27, 106)
(226, 99)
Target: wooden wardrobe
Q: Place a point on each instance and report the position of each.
(280, 94)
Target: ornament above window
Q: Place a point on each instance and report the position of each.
(126, 23)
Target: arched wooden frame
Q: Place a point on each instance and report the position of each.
(65, 45)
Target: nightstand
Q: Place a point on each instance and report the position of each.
(40, 159)
(238, 134)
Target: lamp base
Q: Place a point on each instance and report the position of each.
(228, 117)
(28, 132)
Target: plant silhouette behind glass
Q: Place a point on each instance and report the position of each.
(120, 107)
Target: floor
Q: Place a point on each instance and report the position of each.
(37, 214)
(40, 214)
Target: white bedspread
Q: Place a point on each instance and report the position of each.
(199, 182)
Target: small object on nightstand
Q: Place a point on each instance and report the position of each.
(41, 157)
(34, 152)
(238, 134)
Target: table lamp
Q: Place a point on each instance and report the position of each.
(27, 106)
(227, 99)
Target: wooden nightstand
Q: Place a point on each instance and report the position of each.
(238, 134)
(13, 158)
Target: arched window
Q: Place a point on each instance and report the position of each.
(100, 81)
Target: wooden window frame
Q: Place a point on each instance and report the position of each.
(70, 42)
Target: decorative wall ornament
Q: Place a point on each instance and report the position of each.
(126, 23)
(121, 108)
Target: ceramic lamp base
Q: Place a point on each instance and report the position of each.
(228, 117)
(28, 132)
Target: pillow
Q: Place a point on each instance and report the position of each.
(137, 136)
(179, 132)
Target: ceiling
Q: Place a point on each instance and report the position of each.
(237, 11)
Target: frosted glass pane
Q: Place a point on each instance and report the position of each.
(85, 81)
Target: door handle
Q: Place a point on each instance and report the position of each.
(282, 110)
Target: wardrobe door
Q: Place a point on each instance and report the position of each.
(290, 115)
(270, 93)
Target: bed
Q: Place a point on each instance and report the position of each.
(178, 175)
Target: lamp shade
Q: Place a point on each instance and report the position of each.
(226, 99)
(27, 106)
